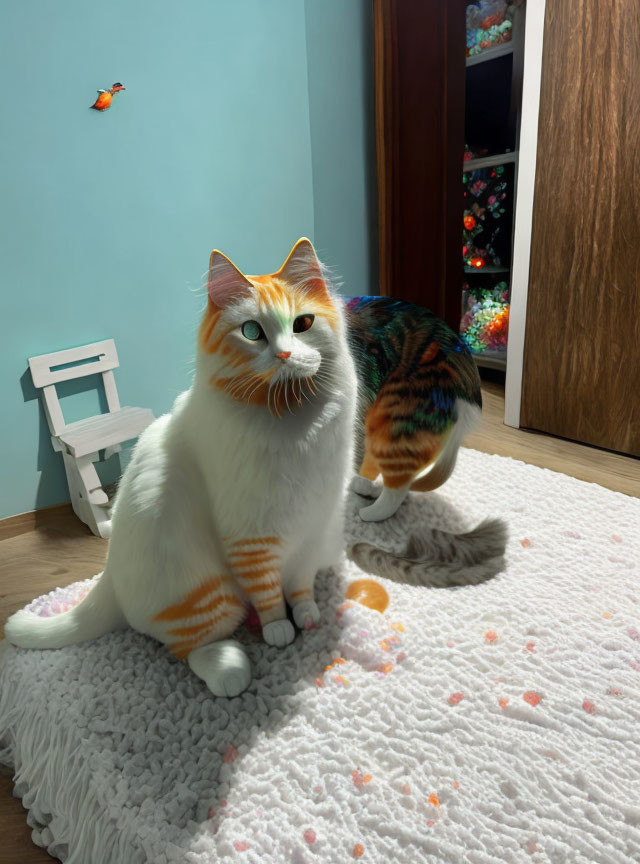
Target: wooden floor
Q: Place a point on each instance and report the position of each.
(620, 473)
(54, 548)
(58, 551)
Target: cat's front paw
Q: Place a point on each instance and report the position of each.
(306, 614)
(278, 633)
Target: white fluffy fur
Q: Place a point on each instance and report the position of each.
(216, 468)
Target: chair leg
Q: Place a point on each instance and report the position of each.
(111, 451)
(88, 498)
(78, 502)
(90, 479)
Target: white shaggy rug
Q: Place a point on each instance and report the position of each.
(490, 723)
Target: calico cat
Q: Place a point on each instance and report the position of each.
(419, 397)
(236, 498)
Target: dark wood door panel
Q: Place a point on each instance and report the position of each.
(420, 68)
(582, 349)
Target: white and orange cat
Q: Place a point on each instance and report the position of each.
(237, 495)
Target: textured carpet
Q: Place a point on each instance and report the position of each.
(490, 723)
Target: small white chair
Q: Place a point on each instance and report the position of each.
(80, 443)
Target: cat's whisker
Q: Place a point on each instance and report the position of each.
(250, 384)
(282, 394)
(273, 390)
(305, 383)
(233, 385)
(270, 396)
(237, 386)
(292, 389)
(288, 392)
(243, 388)
(325, 382)
(255, 388)
(286, 397)
(311, 387)
(279, 393)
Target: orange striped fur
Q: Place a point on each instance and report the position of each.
(255, 566)
(400, 460)
(237, 376)
(208, 597)
(300, 595)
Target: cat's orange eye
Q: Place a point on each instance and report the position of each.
(302, 323)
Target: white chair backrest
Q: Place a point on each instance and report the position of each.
(47, 370)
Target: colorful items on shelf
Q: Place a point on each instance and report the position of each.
(484, 325)
(481, 217)
(489, 23)
(473, 154)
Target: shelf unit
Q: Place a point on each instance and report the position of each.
(496, 359)
(490, 161)
(489, 269)
(491, 53)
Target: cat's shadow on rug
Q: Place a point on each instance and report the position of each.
(281, 674)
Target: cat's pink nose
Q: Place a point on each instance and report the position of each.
(284, 354)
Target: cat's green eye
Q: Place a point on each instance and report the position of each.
(302, 323)
(252, 330)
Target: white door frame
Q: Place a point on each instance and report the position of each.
(534, 32)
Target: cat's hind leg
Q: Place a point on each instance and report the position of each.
(432, 471)
(393, 495)
(223, 666)
(401, 459)
(365, 487)
(367, 482)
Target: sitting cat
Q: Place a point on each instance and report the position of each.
(236, 497)
(237, 494)
(419, 397)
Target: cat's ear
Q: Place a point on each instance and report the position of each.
(226, 283)
(303, 270)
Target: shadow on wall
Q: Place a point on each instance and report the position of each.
(49, 463)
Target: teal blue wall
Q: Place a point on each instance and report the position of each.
(341, 113)
(107, 220)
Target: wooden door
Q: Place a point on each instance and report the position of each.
(581, 375)
(420, 82)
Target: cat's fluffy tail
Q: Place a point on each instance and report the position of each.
(468, 417)
(439, 559)
(95, 614)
